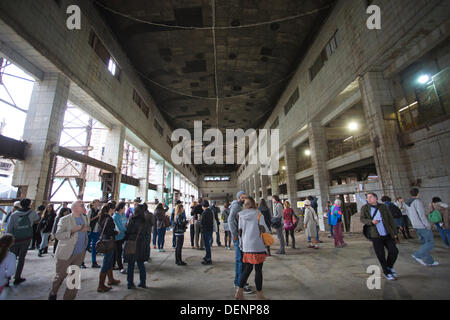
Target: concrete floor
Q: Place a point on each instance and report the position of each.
(303, 273)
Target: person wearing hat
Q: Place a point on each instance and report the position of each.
(207, 223)
(16, 206)
(172, 222)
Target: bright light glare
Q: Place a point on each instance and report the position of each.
(424, 79)
(352, 126)
(307, 152)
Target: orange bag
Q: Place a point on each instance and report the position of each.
(267, 237)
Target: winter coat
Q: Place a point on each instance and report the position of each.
(46, 223)
(250, 234)
(136, 231)
(266, 213)
(110, 228)
(311, 221)
(334, 215)
(207, 220)
(386, 216)
(180, 225)
(395, 211)
(233, 219)
(160, 214)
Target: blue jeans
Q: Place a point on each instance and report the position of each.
(427, 240)
(317, 237)
(130, 271)
(161, 234)
(44, 241)
(445, 234)
(331, 230)
(155, 234)
(237, 263)
(108, 261)
(92, 241)
(207, 237)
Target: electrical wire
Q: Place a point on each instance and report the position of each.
(213, 27)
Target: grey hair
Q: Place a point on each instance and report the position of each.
(338, 202)
(74, 204)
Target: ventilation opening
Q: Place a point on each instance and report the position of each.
(189, 17)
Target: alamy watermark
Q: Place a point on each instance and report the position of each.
(73, 280)
(374, 280)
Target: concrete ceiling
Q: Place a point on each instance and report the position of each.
(248, 59)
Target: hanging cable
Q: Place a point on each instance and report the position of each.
(214, 27)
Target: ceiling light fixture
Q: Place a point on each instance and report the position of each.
(308, 152)
(424, 79)
(353, 126)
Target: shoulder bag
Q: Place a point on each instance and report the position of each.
(366, 229)
(104, 246)
(267, 237)
(130, 247)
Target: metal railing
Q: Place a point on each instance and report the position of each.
(351, 144)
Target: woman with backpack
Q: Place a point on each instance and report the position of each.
(107, 230)
(310, 224)
(335, 218)
(440, 216)
(289, 216)
(251, 227)
(7, 260)
(45, 227)
(226, 226)
(135, 247)
(180, 226)
(265, 211)
(161, 225)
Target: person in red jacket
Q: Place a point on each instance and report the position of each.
(289, 223)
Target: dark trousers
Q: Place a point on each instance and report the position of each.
(378, 245)
(247, 269)
(218, 238)
(36, 240)
(228, 239)
(192, 232)
(20, 249)
(207, 238)
(130, 271)
(287, 233)
(92, 241)
(179, 248)
(55, 245)
(118, 253)
(155, 236)
(161, 234)
(174, 239)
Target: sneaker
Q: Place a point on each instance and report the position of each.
(142, 285)
(162, 250)
(390, 277)
(131, 286)
(204, 262)
(393, 272)
(434, 264)
(123, 271)
(154, 247)
(83, 266)
(248, 290)
(19, 281)
(95, 266)
(419, 260)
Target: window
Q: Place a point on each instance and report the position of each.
(140, 102)
(103, 54)
(292, 100)
(217, 178)
(158, 127)
(324, 55)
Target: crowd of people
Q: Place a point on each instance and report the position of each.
(124, 235)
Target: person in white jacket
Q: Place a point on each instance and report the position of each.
(7, 260)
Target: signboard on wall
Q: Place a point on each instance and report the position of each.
(300, 204)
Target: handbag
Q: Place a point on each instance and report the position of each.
(266, 237)
(366, 229)
(435, 216)
(130, 247)
(104, 246)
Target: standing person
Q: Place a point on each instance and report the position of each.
(226, 227)
(329, 205)
(172, 223)
(192, 224)
(179, 230)
(288, 217)
(108, 232)
(444, 224)
(233, 223)
(335, 221)
(419, 220)
(382, 232)
(251, 225)
(65, 207)
(149, 223)
(279, 223)
(160, 215)
(136, 232)
(93, 218)
(130, 210)
(314, 206)
(310, 224)
(36, 240)
(20, 226)
(396, 214)
(216, 212)
(207, 222)
(45, 227)
(71, 232)
(62, 213)
(120, 220)
(7, 260)
(265, 211)
(197, 212)
(405, 229)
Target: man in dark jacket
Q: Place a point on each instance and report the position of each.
(382, 232)
(207, 223)
(216, 212)
(196, 213)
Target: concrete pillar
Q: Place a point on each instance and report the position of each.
(43, 127)
(263, 180)
(114, 154)
(251, 182)
(274, 180)
(375, 92)
(142, 173)
(319, 158)
(163, 170)
(257, 182)
(291, 169)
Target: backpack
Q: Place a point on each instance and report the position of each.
(24, 228)
(435, 216)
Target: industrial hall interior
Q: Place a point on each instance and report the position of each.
(224, 149)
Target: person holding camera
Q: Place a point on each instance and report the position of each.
(180, 226)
